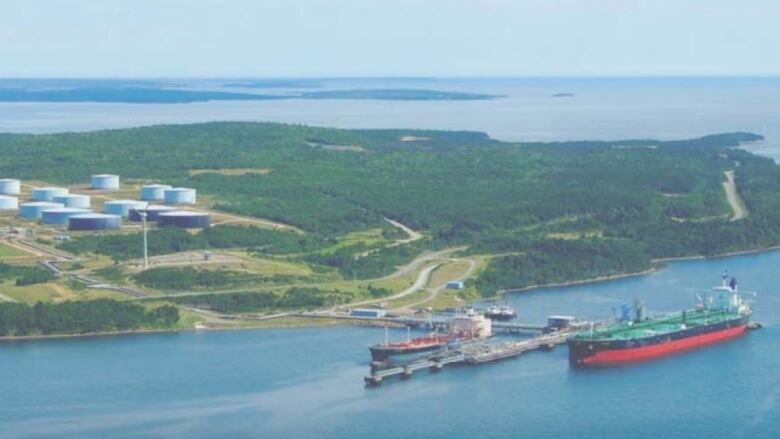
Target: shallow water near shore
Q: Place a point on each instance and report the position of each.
(307, 382)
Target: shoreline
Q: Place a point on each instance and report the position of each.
(658, 264)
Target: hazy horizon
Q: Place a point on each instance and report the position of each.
(398, 38)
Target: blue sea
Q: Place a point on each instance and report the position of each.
(308, 382)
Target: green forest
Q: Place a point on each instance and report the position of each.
(82, 317)
(548, 212)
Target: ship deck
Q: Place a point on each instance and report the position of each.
(657, 325)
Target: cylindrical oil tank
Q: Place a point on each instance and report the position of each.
(154, 192)
(8, 202)
(152, 213)
(94, 221)
(122, 207)
(33, 210)
(184, 218)
(60, 216)
(10, 186)
(73, 200)
(105, 182)
(180, 195)
(48, 193)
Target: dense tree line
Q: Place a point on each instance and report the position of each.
(188, 278)
(172, 240)
(82, 317)
(292, 299)
(25, 275)
(554, 261)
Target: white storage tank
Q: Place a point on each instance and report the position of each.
(105, 182)
(48, 193)
(180, 195)
(10, 186)
(8, 202)
(33, 210)
(60, 216)
(154, 192)
(73, 200)
(184, 219)
(94, 221)
(122, 207)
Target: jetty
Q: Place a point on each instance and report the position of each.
(470, 354)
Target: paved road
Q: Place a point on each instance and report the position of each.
(439, 288)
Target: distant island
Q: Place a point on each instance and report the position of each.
(563, 95)
(152, 95)
(397, 94)
(275, 83)
(128, 95)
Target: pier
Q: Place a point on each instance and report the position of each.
(472, 354)
(434, 321)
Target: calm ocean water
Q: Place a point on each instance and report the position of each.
(307, 383)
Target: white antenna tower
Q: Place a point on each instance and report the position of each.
(142, 214)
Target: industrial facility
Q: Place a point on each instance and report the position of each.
(179, 195)
(105, 182)
(56, 206)
(8, 203)
(152, 212)
(10, 186)
(94, 221)
(35, 209)
(184, 219)
(48, 193)
(73, 200)
(60, 216)
(154, 192)
(122, 207)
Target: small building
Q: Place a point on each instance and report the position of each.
(48, 193)
(73, 200)
(154, 192)
(10, 186)
(456, 285)
(560, 322)
(104, 182)
(179, 195)
(368, 312)
(34, 209)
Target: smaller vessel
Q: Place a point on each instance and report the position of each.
(462, 328)
(504, 312)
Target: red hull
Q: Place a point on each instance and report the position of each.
(622, 356)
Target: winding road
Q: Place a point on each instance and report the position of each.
(732, 195)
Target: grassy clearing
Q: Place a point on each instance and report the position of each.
(6, 251)
(230, 171)
(54, 292)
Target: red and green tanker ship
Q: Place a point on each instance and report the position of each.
(721, 315)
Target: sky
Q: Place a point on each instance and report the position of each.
(320, 38)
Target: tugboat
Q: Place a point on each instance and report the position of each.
(501, 313)
(462, 328)
(718, 316)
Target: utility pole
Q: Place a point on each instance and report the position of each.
(146, 250)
